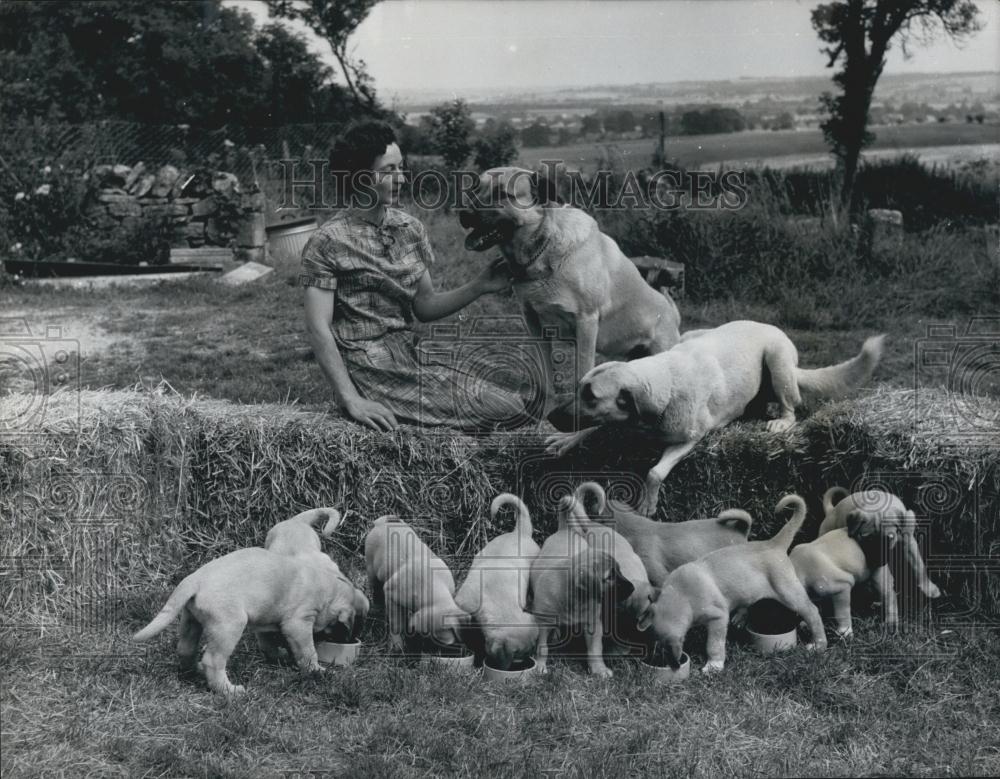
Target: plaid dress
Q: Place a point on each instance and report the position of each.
(374, 271)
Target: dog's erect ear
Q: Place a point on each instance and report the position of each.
(626, 402)
(543, 189)
(862, 525)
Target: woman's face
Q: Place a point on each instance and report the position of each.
(388, 175)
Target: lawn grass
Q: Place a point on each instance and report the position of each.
(921, 703)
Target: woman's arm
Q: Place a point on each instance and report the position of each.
(429, 305)
(319, 314)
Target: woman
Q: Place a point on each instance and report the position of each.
(365, 273)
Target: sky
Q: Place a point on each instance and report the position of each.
(469, 45)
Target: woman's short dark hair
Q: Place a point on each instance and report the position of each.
(357, 148)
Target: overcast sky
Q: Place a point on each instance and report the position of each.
(522, 44)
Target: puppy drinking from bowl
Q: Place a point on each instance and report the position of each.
(495, 590)
(297, 537)
(416, 586)
(708, 590)
(259, 589)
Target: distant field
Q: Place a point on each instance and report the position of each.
(782, 148)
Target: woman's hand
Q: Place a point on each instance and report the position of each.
(371, 413)
(495, 277)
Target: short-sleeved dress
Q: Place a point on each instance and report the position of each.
(374, 271)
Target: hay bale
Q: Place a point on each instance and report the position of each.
(122, 491)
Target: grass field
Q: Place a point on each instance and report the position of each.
(793, 147)
(88, 702)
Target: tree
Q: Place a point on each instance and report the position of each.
(294, 79)
(335, 21)
(858, 34)
(591, 124)
(497, 146)
(536, 134)
(191, 63)
(450, 127)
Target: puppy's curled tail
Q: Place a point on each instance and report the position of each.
(832, 497)
(178, 600)
(784, 537)
(835, 381)
(738, 519)
(523, 522)
(595, 489)
(312, 516)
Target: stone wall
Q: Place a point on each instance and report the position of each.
(205, 208)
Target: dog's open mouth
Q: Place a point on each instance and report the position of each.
(482, 238)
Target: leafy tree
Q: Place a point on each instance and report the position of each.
(712, 120)
(536, 134)
(335, 21)
(451, 125)
(592, 125)
(859, 34)
(497, 146)
(191, 63)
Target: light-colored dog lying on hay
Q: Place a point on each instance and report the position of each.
(857, 537)
(664, 546)
(495, 591)
(257, 588)
(709, 379)
(707, 591)
(416, 585)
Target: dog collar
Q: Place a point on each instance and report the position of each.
(523, 270)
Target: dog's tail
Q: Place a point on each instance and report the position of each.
(784, 537)
(835, 381)
(738, 519)
(572, 515)
(597, 491)
(312, 516)
(832, 497)
(523, 522)
(178, 600)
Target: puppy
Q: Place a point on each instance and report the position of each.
(708, 590)
(705, 382)
(254, 587)
(295, 537)
(495, 590)
(569, 277)
(606, 538)
(572, 584)
(417, 587)
(857, 537)
(664, 546)
(298, 535)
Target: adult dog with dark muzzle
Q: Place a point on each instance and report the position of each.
(569, 277)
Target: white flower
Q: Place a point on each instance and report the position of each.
(47, 170)
(19, 196)
(44, 189)
(17, 246)
(228, 143)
